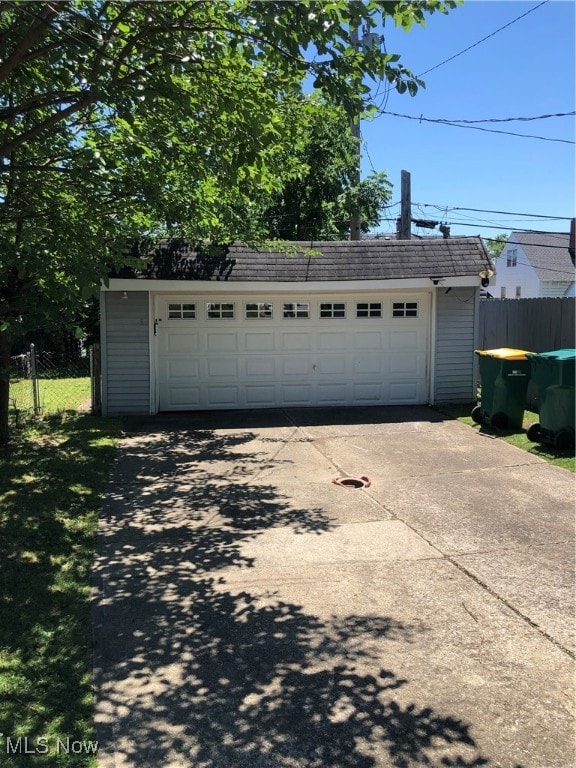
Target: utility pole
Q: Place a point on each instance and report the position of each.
(355, 130)
(405, 207)
(369, 40)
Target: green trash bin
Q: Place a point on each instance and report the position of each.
(553, 373)
(505, 374)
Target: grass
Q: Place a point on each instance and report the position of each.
(56, 395)
(51, 481)
(563, 459)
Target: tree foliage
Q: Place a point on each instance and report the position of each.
(144, 117)
(318, 201)
(495, 245)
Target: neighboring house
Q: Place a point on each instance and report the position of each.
(534, 265)
(371, 322)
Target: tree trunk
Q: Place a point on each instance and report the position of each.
(5, 349)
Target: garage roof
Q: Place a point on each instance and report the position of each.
(373, 259)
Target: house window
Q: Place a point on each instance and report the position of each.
(369, 310)
(405, 309)
(181, 311)
(262, 310)
(332, 310)
(511, 257)
(298, 311)
(219, 311)
(503, 292)
(518, 291)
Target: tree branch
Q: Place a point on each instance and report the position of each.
(32, 133)
(35, 32)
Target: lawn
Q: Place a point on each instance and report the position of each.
(564, 459)
(51, 483)
(55, 395)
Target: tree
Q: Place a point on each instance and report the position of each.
(147, 117)
(318, 202)
(495, 245)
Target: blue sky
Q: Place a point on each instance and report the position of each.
(525, 70)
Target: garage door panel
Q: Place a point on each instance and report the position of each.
(183, 398)
(367, 393)
(368, 363)
(280, 361)
(223, 367)
(405, 339)
(296, 366)
(403, 392)
(260, 395)
(296, 394)
(332, 394)
(369, 340)
(179, 342)
(403, 364)
(222, 342)
(332, 365)
(328, 341)
(183, 368)
(260, 366)
(223, 395)
(259, 342)
(290, 342)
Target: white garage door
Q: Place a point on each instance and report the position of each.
(260, 352)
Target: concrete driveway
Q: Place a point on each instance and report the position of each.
(251, 614)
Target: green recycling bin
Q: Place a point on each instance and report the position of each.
(553, 372)
(505, 374)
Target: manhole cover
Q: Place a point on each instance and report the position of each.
(352, 482)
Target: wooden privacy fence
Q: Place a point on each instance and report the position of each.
(538, 325)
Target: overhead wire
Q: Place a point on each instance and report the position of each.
(496, 31)
(504, 213)
(462, 124)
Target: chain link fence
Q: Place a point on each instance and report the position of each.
(43, 383)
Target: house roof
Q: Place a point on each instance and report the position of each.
(548, 254)
(374, 259)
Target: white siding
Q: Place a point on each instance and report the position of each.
(126, 379)
(521, 275)
(454, 380)
(554, 289)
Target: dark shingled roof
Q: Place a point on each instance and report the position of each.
(373, 259)
(548, 253)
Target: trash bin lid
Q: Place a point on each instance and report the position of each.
(556, 354)
(504, 353)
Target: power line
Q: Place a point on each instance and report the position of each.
(442, 121)
(515, 229)
(365, 145)
(485, 210)
(469, 48)
(509, 119)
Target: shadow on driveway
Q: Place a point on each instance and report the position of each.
(194, 671)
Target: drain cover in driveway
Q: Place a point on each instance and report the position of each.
(353, 482)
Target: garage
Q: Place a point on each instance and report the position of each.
(261, 351)
(370, 322)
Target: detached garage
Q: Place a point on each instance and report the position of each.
(373, 322)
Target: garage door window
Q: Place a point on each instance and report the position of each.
(369, 310)
(181, 311)
(296, 311)
(258, 311)
(219, 311)
(405, 309)
(332, 310)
